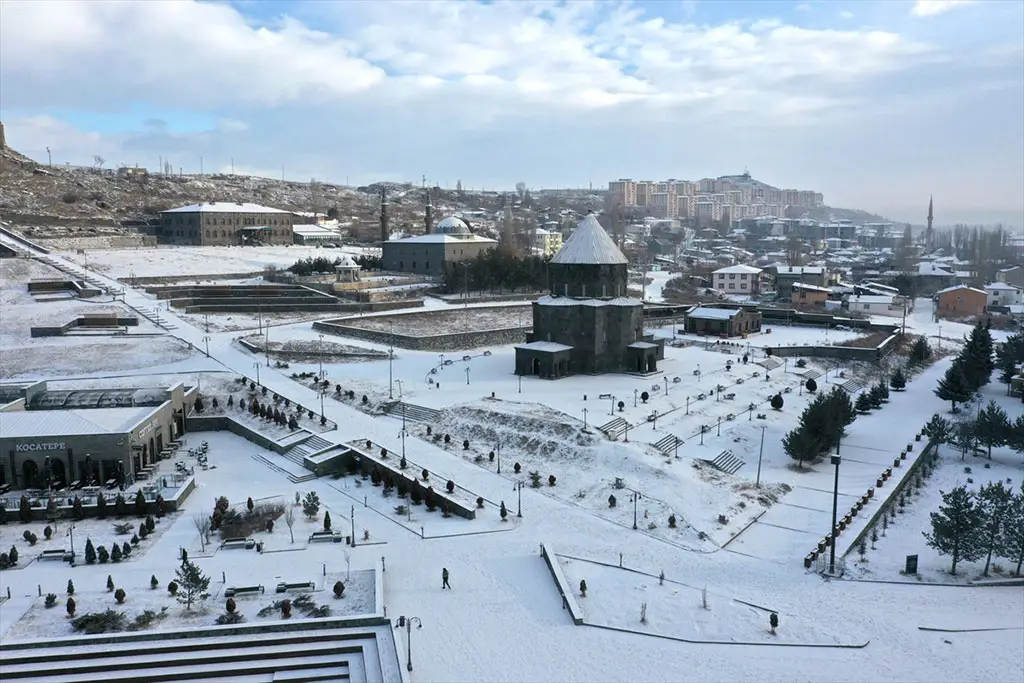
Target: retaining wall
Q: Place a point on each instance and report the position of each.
(564, 589)
(441, 342)
(843, 352)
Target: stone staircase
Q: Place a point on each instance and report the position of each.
(726, 462)
(264, 653)
(293, 478)
(668, 444)
(413, 412)
(613, 428)
(851, 386)
(309, 446)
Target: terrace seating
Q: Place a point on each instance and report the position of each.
(302, 586)
(238, 543)
(243, 590)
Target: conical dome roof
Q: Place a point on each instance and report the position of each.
(589, 245)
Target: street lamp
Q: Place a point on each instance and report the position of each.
(759, 454)
(407, 623)
(400, 391)
(206, 340)
(467, 375)
(391, 358)
(835, 460)
(636, 499)
(257, 366)
(71, 533)
(519, 490)
(320, 357)
(584, 418)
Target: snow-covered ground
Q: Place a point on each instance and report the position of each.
(171, 260)
(503, 618)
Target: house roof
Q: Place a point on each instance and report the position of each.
(569, 301)
(54, 423)
(783, 269)
(589, 245)
(812, 288)
(444, 238)
(872, 299)
(1000, 285)
(959, 287)
(224, 207)
(704, 313)
(741, 268)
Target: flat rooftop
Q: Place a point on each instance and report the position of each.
(36, 423)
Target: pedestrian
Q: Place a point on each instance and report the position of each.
(444, 579)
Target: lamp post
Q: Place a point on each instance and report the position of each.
(467, 375)
(320, 357)
(519, 490)
(636, 499)
(635, 392)
(352, 519)
(266, 345)
(499, 456)
(257, 366)
(584, 418)
(206, 340)
(400, 391)
(835, 460)
(322, 392)
(612, 411)
(207, 317)
(71, 533)
(760, 453)
(407, 623)
(391, 358)
(666, 386)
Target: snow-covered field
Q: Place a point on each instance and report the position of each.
(171, 260)
(503, 618)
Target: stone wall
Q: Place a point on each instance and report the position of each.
(442, 342)
(871, 354)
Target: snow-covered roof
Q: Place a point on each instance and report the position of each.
(225, 207)
(311, 230)
(551, 347)
(872, 299)
(957, 287)
(812, 288)
(346, 261)
(741, 268)
(589, 245)
(1000, 285)
(703, 313)
(452, 225)
(931, 269)
(783, 269)
(445, 238)
(569, 301)
(50, 423)
(642, 345)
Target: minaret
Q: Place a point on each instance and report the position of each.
(928, 230)
(429, 222)
(385, 230)
(508, 236)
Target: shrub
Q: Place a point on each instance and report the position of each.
(465, 444)
(450, 486)
(517, 468)
(777, 402)
(126, 549)
(425, 474)
(172, 588)
(611, 500)
(119, 595)
(110, 583)
(115, 553)
(153, 583)
(503, 511)
(12, 557)
(102, 554)
(230, 605)
(121, 528)
(5, 560)
(71, 587)
(551, 480)
(110, 621)
(150, 524)
(90, 552)
(583, 588)
(70, 607)
(47, 532)
(479, 501)
(339, 589)
(671, 521)
(327, 521)
(286, 608)
(31, 538)
(51, 600)
(230, 618)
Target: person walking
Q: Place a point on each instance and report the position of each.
(444, 579)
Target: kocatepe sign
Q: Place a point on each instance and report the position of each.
(27, 447)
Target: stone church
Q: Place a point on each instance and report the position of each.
(588, 324)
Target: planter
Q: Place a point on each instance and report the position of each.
(903, 455)
(822, 544)
(910, 448)
(841, 526)
(896, 462)
(888, 473)
(870, 494)
(808, 561)
(917, 438)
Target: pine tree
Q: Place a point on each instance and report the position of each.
(994, 499)
(875, 396)
(976, 358)
(920, 351)
(938, 430)
(800, 445)
(992, 427)
(964, 436)
(898, 381)
(327, 521)
(883, 390)
(192, 584)
(864, 404)
(956, 527)
(953, 386)
(90, 552)
(1012, 540)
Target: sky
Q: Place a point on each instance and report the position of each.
(878, 105)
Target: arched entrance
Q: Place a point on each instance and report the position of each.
(58, 474)
(30, 474)
(652, 364)
(152, 452)
(536, 366)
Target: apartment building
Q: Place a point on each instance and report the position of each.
(740, 279)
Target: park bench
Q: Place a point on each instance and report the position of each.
(55, 554)
(242, 590)
(324, 537)
(304, 586)
(240, 542)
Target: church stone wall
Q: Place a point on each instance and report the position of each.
(588, 281)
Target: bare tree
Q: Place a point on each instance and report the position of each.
(348, 565)
(98, 161)
(289, 519)
(202, 523)
(521, 189)
(316, 196)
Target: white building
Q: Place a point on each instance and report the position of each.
(740, 279)
(1003, 294)
(874, 305)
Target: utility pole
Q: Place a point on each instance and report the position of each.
(836, 460)
(760, 453)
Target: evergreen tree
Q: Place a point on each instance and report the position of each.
(957, 527)
(898, 381)
(192, 584)
(327, 521)
(994, 499)
(1012, 540)
(800, 445)
(90, 552)
(311, 505)
(953, 386)
(920, 351)
(938, 430)
(875, 396)
(964, 436)
(883, 390)
(864, 404)
(992, 426)
(140, 503)
(976, 358)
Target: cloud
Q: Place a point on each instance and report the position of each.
(550, 92)
(846, 14)
(931, 8)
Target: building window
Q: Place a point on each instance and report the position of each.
(414, 265)
(426, 265)
(732, 276)
(732, 285)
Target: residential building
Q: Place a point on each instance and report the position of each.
(808, 296)
(785, 276)
(722, 322)
(961, 301)
(226, 224)
(1014, 275)
(739, 279)
(1003, 294)
(875, 304)
(546, 242)
(309, 233)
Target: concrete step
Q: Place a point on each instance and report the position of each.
(413, 412)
